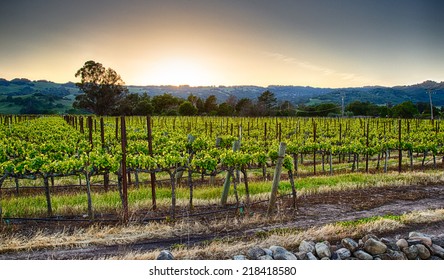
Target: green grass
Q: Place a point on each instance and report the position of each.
(363, 221)
(65, 204)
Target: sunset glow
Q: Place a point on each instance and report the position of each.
(340, 43)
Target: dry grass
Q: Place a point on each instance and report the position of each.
(218, 249)
(226, 249)
(392, 179)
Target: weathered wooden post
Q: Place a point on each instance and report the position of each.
(277, 177)
(236, 146)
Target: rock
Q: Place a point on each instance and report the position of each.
(437, 251)
(276, 250)
(402, 243)
(239, 258)
(435, 258)
(411, 252)
(311, 257)
(265, 258)
(374, 247)
(255, 253)
(165, 255)
(417, 234)
(323, 250)
(350, 244)
(393, 255)
(285, 256)
(325, 259)
(301, 255)
(362, 255)
(423, 252)
(268, 252)
(420, 240)
(307, 246)
(335, 256)
(391, 244)
(438, 240)
(343, 253)
(368, 236)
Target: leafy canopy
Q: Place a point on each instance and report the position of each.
(103, 89)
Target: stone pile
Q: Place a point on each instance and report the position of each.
(416, 246)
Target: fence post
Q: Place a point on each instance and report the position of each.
(276, 177)
(150, 152)
(124, 177)
(236, 146)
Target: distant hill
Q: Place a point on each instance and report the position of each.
(26, 96)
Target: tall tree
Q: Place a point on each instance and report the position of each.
(267, 102)
(103, 89)
(210, 104)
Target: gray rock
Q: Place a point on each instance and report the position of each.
(393, 255)
(265, 258)
(323, 250)
(278, 250)
(374, 246)
(335, 256)
(420, 240)
(411, 252)
(343, 253)
(417, 234)
(268, 252)
(438, 240)
(239, 258)
(285, 256)
(311, 257)
(362, 255)
(165, 255)
(423, 252)
(350, 244)
(301, 255)
(435, 258)
(391, 244)
(325, 259)
(402, 243)
(307, 246)
(255, 253)
(368, 236)
(437, 251)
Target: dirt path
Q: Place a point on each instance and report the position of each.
(313, 210)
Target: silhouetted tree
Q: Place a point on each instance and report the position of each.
(165, 104)
(404, 110)
(103, 89)
(266, 103)
(187, 109)
(211, 105)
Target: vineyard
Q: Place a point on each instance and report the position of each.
(149, 158)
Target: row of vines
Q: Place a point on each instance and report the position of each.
(50, 147)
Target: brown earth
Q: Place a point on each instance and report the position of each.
(313, 210)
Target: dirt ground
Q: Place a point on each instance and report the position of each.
(313, 210)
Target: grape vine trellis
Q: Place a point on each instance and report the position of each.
(51, 146)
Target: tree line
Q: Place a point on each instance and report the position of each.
(104, 93)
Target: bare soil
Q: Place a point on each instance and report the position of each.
(312, 210)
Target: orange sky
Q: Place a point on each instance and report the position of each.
(340, 43)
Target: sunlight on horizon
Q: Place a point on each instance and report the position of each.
(176, 72)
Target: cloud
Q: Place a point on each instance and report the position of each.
(345, 76)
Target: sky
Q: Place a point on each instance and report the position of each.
(320, 43)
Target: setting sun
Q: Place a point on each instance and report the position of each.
(179, 71)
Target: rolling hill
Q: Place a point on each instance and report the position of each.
(26, 96)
